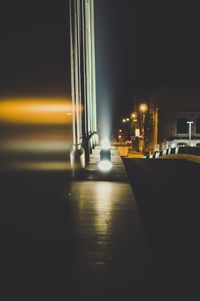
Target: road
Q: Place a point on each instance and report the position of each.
(167, 193)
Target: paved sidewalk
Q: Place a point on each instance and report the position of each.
(111, 259)
(72, 240)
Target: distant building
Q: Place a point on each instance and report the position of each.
(175, 108)
(174, 129)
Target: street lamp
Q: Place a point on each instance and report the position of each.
(126, 127)
(190, 131)
(134, 115)
(134, 123)
(143, 109)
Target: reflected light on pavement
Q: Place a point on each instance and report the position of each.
(103, 206)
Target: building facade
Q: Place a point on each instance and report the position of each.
(177, 107)
(174, 129)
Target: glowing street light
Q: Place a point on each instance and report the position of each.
(143, 108)
(134, 115)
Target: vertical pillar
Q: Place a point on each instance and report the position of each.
(90, 67)
(190, 131)
(77, 155)
(83, 79)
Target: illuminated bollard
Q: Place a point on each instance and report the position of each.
(105, 164)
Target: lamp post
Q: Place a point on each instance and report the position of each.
(134, 124)
(190, 131)
(126, 122)
(143, 109)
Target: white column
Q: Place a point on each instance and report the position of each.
(190, 131)
(83, 77)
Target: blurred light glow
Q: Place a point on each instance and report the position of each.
(36, 166)
(36, 111)
(143, 107)
(35, 146)
(134, 115)
(105, 165)
(137, 132)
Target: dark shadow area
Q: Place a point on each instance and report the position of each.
(35, 235)
(167, 194)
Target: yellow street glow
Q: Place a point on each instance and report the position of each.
(36, 111)
(143, 107)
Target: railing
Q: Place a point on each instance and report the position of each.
(195, 151)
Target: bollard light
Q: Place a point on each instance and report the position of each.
(105, 163)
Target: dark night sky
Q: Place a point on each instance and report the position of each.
(139, 45)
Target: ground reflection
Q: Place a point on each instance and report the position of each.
(103, 206)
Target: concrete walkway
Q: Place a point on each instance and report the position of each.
(111, 260)
(72, 240)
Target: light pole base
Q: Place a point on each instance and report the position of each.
(77, 159)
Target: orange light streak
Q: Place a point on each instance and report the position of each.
(36, 111)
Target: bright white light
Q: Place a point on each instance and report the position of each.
(137, 132)
(105, 144)
(105, 165)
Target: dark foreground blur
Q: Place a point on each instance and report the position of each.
(33, 226)
(35, 142)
